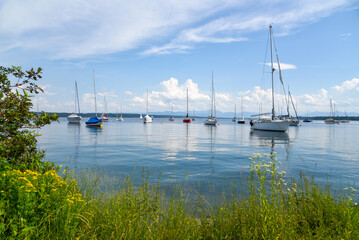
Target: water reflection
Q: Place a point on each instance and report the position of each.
(74, 131)
(94, 133)
(270, 139)
(212, 139)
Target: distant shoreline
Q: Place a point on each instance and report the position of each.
(136, 115)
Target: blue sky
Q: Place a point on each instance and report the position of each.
(169, 46)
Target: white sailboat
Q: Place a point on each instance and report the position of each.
(266, 122)
(94, 121)
(171, 118)
(140, 116)
(212, 120)
(235, 114)
(147, 119)
(75, 118)
(242, 121)
(119, 118)
(331, 120)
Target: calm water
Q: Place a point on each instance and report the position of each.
(201, 154)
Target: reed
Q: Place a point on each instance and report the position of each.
(270, 208)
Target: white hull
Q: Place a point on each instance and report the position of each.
(210, 121)
(271, 125)
(74, 118)
(119, 119)
(147, 119)
(171, 119)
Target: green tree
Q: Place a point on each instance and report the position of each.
(18, 144)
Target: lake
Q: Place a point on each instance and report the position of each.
(202, 155)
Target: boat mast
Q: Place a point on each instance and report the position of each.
(271, 56)
(235, 111)
(212, 98)
(104, 97)
(187, 103)
(77, 96)
(94, 90)
(291, 99)
(147, 104)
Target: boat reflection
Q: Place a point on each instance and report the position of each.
(212, 140)
(271, 140)
(74, 130)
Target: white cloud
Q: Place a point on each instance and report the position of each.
(75, 29)
(283, 66)
(252, 16)
(129, 93)
(348, 85)
(173, 93)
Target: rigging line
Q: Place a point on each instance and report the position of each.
(263, 72)
(280, 76)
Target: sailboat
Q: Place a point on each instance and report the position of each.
(140, 116)
(212, 120)
(171, 118)
(235, 114)
(147, 119)
(193, 119)
(119, 118)
(103, 116)
(75, 118)
(94, 121)
(242, 121)
(266, 122)
(307, 119)
(346, 118)
(331, 120)
(187, 119)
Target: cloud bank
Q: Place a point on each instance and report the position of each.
(84, 28)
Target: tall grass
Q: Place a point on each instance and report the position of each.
(270, 208)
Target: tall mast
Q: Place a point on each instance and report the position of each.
(212, 97)
(94, 90)
(104, 97)
(147, 104)
(271, 57)
(187, 102)
(77, 96)
(235, 111)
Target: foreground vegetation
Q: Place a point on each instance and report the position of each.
(37, 203)
(46, 206)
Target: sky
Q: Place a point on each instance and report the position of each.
(167, 47)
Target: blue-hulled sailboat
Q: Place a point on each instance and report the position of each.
(94, 121)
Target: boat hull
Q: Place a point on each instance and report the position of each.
(241, 122)
(94, 122)
(271, 125)
(73, 118)
(212, 122)
(171, 119)
(187, 120)
(147, 119)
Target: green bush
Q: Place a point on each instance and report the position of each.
(18, 147)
